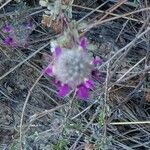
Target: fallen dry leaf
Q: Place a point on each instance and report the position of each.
(57, 26)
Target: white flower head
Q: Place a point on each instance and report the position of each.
(72, 67)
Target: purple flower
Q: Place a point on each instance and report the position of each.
(83, 42)
(96, 74)
(7, 28)
(89, 84)
(58, 51)
(73, 69)
(82, 91)
(63, 90)
(49, 70)
(97, 61)
(9, 41)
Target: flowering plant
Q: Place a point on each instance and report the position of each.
(73, 69)
(17, 33)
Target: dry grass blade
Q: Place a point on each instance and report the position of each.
(112, 14)
(130, 123)
(8, 1)
(94, 10)
(22, 62)
(124, 48)
(114, 18)
(24, 107)
(130, 69)
(110, 10)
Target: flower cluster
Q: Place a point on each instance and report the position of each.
(17, 34)
(73, 69)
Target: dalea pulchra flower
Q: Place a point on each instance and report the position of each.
(73, 69)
